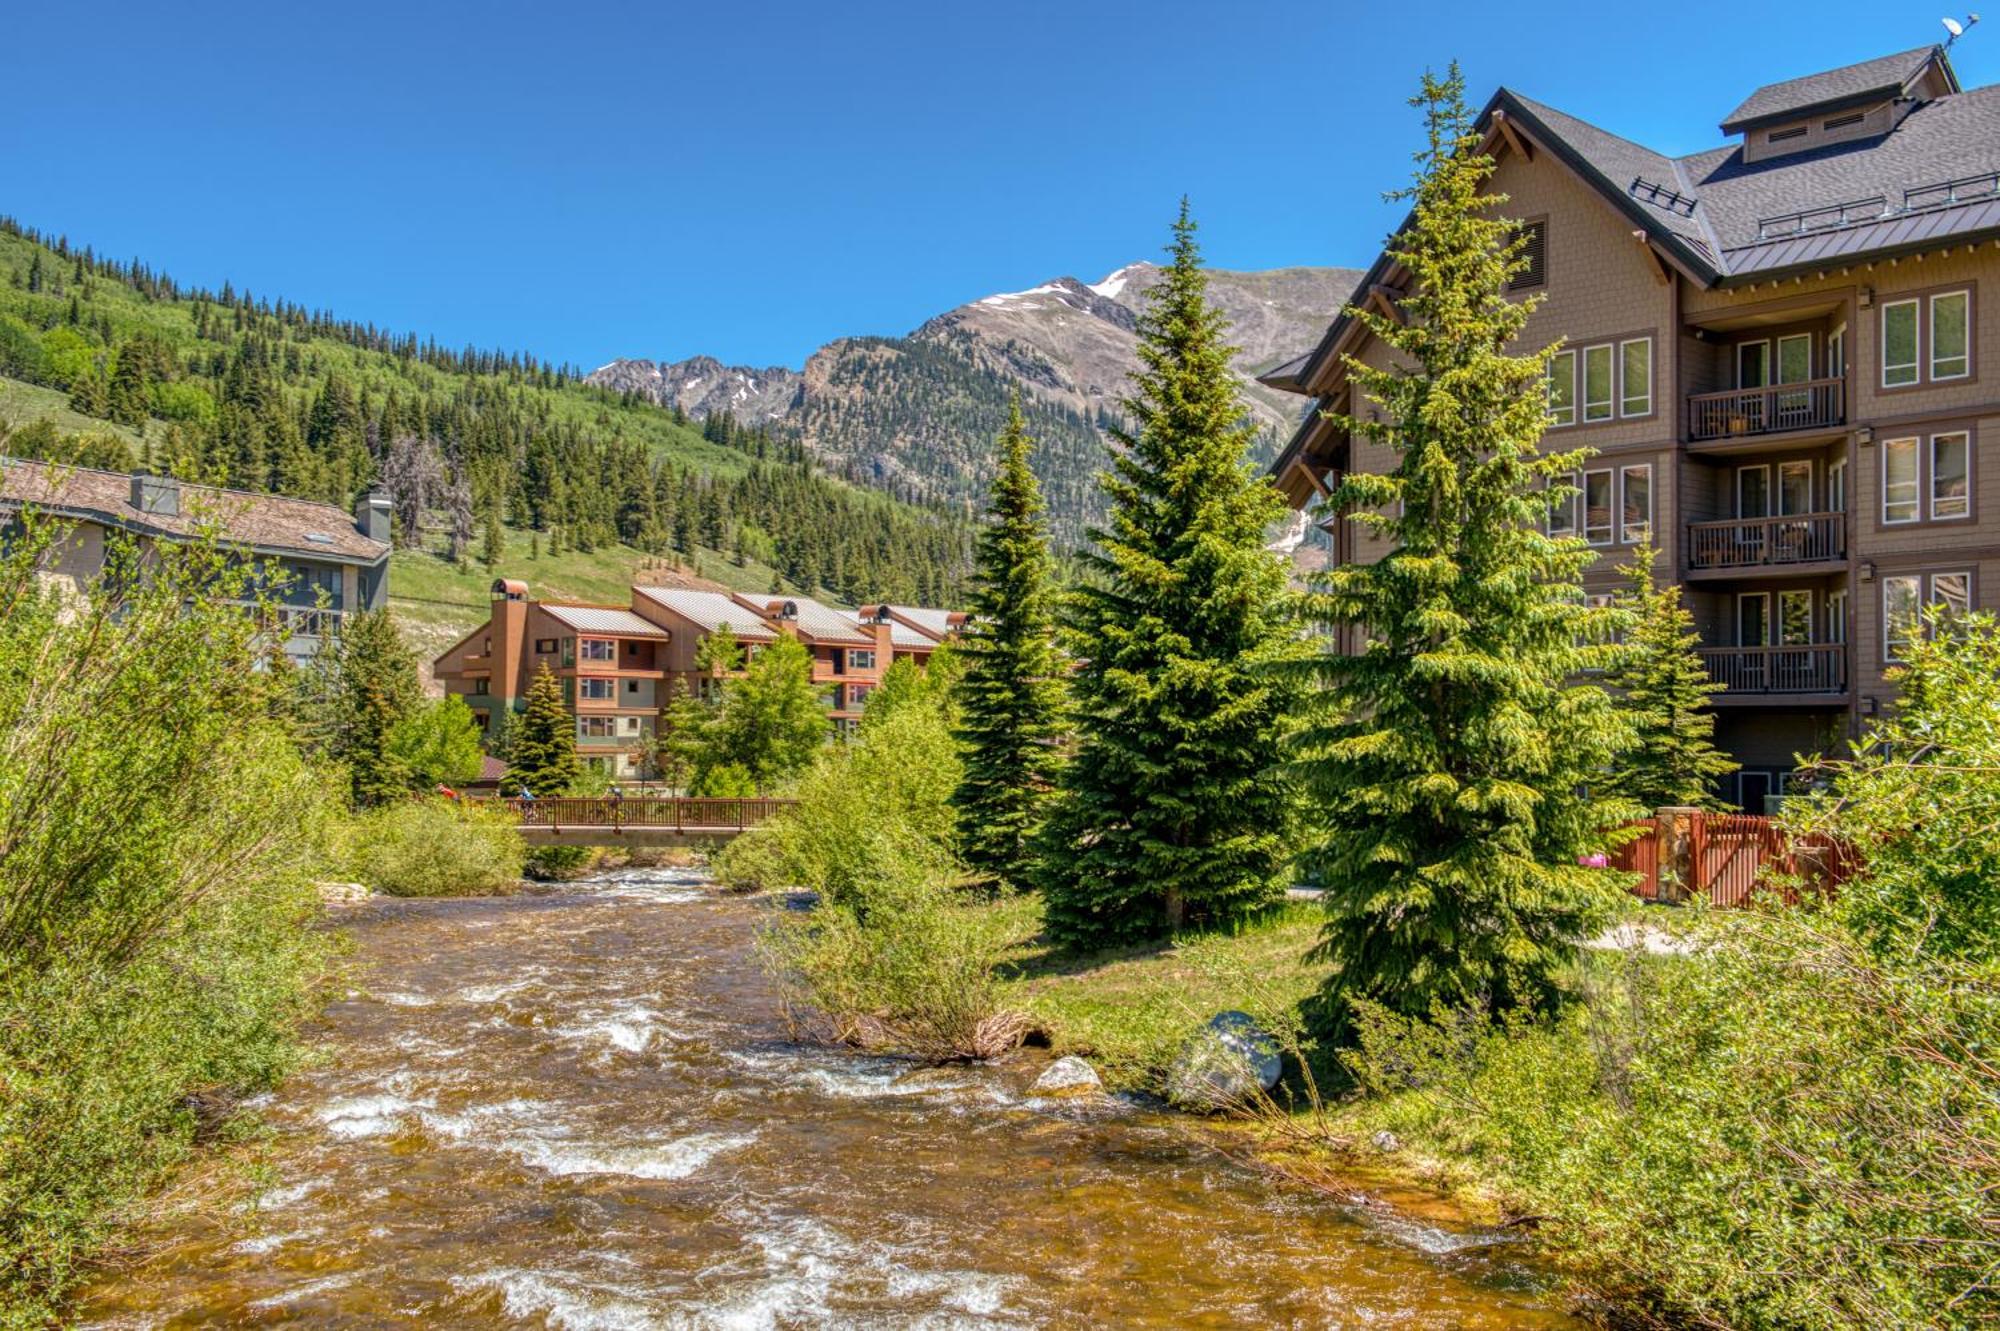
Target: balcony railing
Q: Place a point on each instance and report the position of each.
(1796, 538)
(1819, 667)
(1807, 405)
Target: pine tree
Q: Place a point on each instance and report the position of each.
(1010, 698)
(1663, 689)
(1447, 761)
(541, 755)
(375, 690)
(1171, 810)
(493, 542)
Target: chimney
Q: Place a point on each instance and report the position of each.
(158, 495)
(509, 627)
(372, 515)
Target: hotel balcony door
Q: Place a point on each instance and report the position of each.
(1753, 629)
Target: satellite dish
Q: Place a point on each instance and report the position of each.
(1957, 29)
(1952, 26)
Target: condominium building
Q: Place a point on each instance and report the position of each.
(1780, 351)
(621, 666)
(328, 562)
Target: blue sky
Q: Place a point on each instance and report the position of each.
(749, 180)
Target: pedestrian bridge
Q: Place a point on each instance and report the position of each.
(636, 819)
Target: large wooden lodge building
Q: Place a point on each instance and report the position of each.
(1784, 352)
(620, 666)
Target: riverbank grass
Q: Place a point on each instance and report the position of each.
(1128, 1010)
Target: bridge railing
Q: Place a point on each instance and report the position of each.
(679, 813)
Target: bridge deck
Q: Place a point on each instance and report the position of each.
(603, 820)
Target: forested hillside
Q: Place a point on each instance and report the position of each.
(260, 394)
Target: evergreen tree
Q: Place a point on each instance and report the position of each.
(1171, 810)
(375, 690)
(542, 749)
(1663, 689)
(493, 541)
(1011, 695)
(772, 719)
(1448, 760)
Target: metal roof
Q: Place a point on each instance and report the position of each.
(900, 634)
(611, 621)
(814, 622)
(937, 623)
(711, 611)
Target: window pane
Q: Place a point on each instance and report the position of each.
(1597, 383)
(1899, 480)
(1751, 629)
(1638, 503)
(1597, 507)
(1836, 617)
(1836, 353)
(1899, 343)
(1794, 488)
(1795, 358)
(1795, 618)
(1562, 388)
(1752, 497)
(1836, 488)
(1635, 390)
(1952, 592)
(1948, 336)
(1951, 474)
(1899, 612)
(1562, 515)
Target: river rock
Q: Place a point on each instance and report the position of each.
(1068, 1075)
(1224, 1064)
(340, 894)
(1387, 1142)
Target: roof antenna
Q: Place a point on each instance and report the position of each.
(1957, 29)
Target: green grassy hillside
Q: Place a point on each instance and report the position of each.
(222, 387)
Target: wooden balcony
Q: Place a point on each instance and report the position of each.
(1812, 404)
(1803, 541)
(1806, 668)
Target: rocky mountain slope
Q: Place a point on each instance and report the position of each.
(917, 414)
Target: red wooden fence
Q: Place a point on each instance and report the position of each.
(1730, 857)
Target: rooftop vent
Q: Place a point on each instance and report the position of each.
(158, 495)
(319, 538)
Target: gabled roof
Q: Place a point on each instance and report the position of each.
(938, 624)
(900, 634)
(271, 524)
(609, 620)
(710, 611)
(814, 622)
(1869, 81)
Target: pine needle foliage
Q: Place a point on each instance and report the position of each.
(1011, 695)
(1663, 689)
(542, 757)
(1447, 761)
(1171, 811)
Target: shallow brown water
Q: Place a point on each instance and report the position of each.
(579, 1111)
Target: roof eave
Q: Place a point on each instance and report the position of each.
(1858, 258)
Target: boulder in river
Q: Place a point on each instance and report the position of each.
(1068, 1075)
(1224, 1064)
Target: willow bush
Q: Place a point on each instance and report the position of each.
(434, 848)
(160, 835)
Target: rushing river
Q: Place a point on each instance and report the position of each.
(579, 1110)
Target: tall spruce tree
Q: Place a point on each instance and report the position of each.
(374, 690)
(1010, 698)
(1170, 812)
(1449, 760)
(1663, 689)
(541, 753)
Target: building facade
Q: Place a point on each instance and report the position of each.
(621, 666)
(1782, 353)
(327, 562)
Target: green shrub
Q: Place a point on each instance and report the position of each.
(434, 848)
(876, 808)
(162, 837)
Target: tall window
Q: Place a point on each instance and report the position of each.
(1951, 475)
(1753, 492)
(1753, 619)
(1795, 617)
(1534, 258)
(1899, 481)
(1597, 383)
(1836, 616)
(1562, 513)
(1597, 506)
(1635, 377)
(1951, 335)
(1795, 487)
(1836, 486)
(1638, 506)
(1562, 389)
(1903, 599)
(1836, 352)
(1899, 343)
